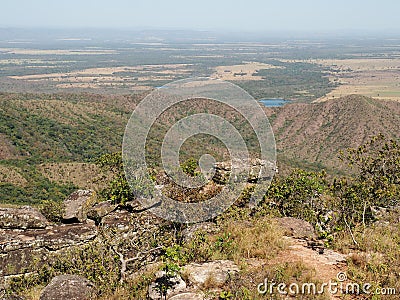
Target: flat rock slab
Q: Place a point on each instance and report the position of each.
(53, 238)
(25, 217)
(119, 219)
(19, 249)
(187, 296)
(215, 273)
(68, 287)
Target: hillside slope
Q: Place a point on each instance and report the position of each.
(40, 133)
(314, 133)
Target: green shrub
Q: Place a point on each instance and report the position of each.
(52, 210)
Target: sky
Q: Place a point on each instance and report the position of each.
(248, 15)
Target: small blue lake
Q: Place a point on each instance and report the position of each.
(274, 102)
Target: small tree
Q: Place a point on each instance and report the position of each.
(377, 163)
(299, 194)
(118, 189)
(375, 183)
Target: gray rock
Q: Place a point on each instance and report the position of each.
(68, 287)
(212, 274)
(20, 249)
(118, 219)
(296, 228)
(258, 170)
(25, 217)
(187, 296)
(171, 286)
(101, 210)
(77, 205)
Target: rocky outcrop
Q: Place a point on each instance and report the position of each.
(68, 287)
(19, 249)
(258, 170)
(77, 205)
(382, 215)
(100, 210)
(210, 274)
(25, 217)
(27, 238)
(119, 219)
(296, 228)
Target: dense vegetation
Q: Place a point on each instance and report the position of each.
(42, 128)
(294, 81)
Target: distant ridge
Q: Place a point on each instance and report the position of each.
(314, 133)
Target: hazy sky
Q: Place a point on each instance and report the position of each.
(260, 15)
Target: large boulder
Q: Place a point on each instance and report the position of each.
(210, 274)
(68, 287)
(296, 228)
(19, 250)
(100, 210)
(77, 205)
(25, 217)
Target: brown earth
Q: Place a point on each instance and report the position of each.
(7, 150)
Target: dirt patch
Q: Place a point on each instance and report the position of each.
(378, 78)
(327, 265)
(126, 76)
(244, 71)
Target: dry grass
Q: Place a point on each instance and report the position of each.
(245, 285)
(136, 287)
(244, 71)
(12, 175)
(376, 258)
(261, 239)
(83, 175)
(378, 78)
(33, 293)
